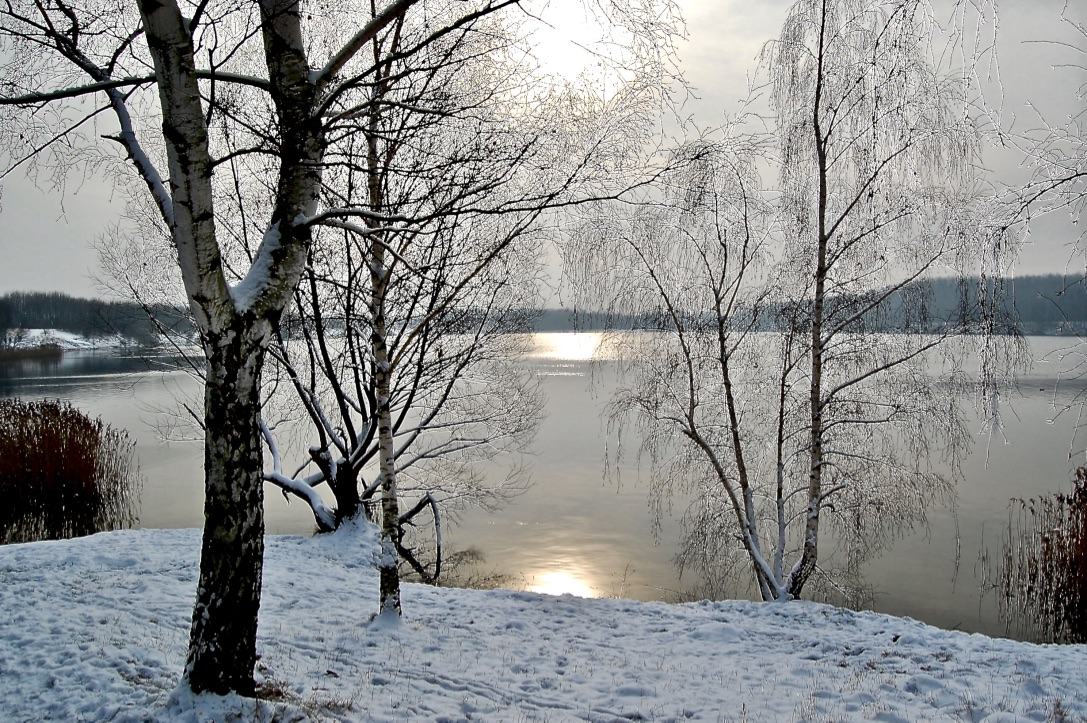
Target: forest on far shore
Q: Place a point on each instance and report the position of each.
(92, 318)
(1044, 305)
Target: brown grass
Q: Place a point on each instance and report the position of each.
(1042, 580)
(62, 474)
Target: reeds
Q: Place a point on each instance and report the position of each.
(1042, 580)
(62, 474)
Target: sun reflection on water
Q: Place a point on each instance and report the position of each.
(567, 346)
(561, 582)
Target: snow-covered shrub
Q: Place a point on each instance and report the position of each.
(62, 474)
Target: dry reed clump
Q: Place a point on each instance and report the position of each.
(62, 474)
(1042, 579)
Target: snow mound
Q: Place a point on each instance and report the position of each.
(96, 629)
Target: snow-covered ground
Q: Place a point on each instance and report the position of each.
(69, 341)
(95, 629)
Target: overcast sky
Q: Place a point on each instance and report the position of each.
(45, 240)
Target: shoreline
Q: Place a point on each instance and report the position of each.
(44, 352)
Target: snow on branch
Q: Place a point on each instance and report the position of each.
(248, 290)
(338, 213)
(326, 518)
(75, 91)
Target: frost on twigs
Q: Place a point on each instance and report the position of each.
(788, 388)
(441, 190)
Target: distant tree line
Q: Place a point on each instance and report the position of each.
(1049, 304)
(1046, 304)
(92, 318)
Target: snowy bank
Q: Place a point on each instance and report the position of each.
(66, 340)
(96, 629)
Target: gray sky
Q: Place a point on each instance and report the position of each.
(45, 238)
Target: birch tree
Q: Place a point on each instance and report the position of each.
(409, 347)
(421, 145)
(239, 131)
(165, 72)
(797, 378)
(468, 147)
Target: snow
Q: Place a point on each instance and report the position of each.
(246, 292)
(96, 629)
(70, 341)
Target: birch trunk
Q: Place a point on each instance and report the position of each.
(390, 507)
(222, 647)
(235, 326)
(810, 554)
(389, 574)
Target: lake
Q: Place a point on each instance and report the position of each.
(580, 531)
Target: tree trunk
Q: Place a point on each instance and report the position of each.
(222, 648)
(390, 506)
(390, 557)
(388, 565)
(345, 488)
(810, 555)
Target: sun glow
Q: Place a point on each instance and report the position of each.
(567, 346)
(561, 582)
(564, 49)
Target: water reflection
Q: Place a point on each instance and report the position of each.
(566, 346)
(560, 582)
(592, 521)
(77, 371)
(27, 368)
(140, 394)
(595, 519)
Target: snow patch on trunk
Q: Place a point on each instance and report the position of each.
(248, 290)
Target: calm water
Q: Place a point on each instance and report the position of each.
(577, 530)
